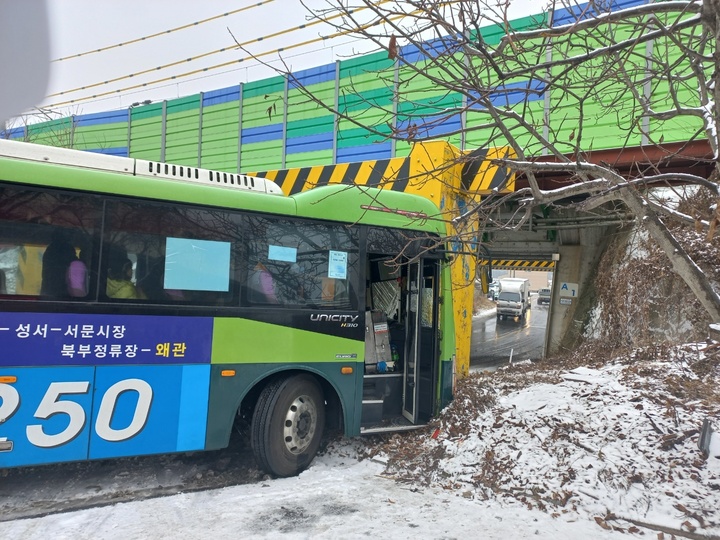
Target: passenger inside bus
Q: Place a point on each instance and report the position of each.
(55, 264)
(261, 285)
(150, 273)
(119, 278)
(77, 275)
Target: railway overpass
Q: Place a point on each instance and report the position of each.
(568, 245)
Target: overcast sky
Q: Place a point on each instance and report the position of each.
(79, 26)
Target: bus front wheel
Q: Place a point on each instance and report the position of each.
(287, 425)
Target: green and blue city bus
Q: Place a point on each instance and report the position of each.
(146, 307)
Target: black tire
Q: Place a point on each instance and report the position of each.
(287, 425)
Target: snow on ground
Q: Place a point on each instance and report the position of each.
(338, 497)
(594, 445)
(603, 452)
(616, 446)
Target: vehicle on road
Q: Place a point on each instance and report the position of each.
(201, 297)
(543, 296)
(513, 298)
(493, 290)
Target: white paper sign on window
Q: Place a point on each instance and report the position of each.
(337, 264)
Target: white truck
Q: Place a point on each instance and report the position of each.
(514, 297)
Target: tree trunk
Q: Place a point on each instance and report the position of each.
(681, 262)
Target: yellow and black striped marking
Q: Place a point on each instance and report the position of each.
(478, 174)
(481, 175)
(523, 264)
(390, 173)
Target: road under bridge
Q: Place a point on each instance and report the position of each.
(567, 249)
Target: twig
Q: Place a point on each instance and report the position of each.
(671, 439)
(666, 529)
(654, 425)
(575, 379)
(588, 494)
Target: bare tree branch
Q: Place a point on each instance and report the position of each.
(546, 91)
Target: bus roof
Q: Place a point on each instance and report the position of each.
(38, 165)
(373, 206)
(136, 167)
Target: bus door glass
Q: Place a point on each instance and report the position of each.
(421, 348)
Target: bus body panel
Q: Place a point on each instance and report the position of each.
(60, 437)
(103, 375)
(103, 385)
(226, 393)
(28, 338)
(239, 340)
(134, 406)
(142, 410)
(69, 413)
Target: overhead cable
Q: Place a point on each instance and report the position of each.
(189, 59)
(163, 33)
(203, 55)
(189, 73)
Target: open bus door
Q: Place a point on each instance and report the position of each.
(421, 344)
(404, 306)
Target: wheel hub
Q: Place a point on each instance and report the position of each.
(300, 424)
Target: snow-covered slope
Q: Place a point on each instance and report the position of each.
(616, 445)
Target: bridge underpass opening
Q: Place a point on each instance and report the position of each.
(496, 341)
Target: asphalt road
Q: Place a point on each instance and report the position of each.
(27, 492)
(494, 342)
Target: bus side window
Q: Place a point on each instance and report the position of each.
(179, 254)
(20, 266)
(42, 233)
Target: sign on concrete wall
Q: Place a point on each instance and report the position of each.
(569, 289)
